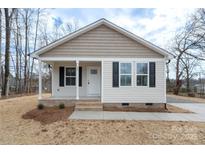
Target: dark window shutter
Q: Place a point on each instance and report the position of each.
(115, 74)
(80, 76)
(152, 74)
(61, 76)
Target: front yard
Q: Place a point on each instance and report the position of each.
(16, 130)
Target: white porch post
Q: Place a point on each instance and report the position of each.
(77, 80)
(39, 80)
(102, 63)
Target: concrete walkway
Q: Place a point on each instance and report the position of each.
(197, 108)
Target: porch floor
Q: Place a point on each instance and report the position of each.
(69, 101)
(97, 98)
(82, 98)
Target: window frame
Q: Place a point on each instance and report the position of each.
(131, 74)
(136, 74)
(69, 76)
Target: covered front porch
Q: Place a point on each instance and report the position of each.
(72, 81)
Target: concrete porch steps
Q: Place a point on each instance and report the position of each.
(88, 106)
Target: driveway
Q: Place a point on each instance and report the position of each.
(197, 108)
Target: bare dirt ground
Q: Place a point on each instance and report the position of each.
(16, 130)
(194, 99)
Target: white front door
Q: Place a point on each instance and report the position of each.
(93, 81)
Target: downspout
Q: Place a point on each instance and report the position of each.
(165, 104)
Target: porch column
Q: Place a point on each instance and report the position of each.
(77, 80)
(39, 80)
(102, 64)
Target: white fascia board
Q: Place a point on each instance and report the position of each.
(55, 59)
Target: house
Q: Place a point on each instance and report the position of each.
(105, 62)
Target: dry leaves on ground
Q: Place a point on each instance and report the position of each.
(16, 130)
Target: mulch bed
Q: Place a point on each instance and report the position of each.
(170, 109)
(49, 115)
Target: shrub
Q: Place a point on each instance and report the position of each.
(40, 106)
(61, 106)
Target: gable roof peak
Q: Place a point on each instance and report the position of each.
(95, 24)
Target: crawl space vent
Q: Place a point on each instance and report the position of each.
(149, 104)
(125, 104)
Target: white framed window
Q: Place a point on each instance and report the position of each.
(70, 76)
(125, 74)
(142, 74)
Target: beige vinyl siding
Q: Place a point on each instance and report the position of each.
(102, 42)
(134, 94)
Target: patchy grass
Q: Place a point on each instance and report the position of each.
(16, 130)
(17, 95)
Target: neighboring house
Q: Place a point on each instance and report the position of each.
(106, 62)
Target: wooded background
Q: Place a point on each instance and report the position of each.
(22, 31)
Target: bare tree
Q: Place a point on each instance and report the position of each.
(186, 44)
(8, 19)
(61, 29)
(189, 64)
(199, 18)
(26, 47)
(26, 30)
(35, 43)
(17, 34)
(26, 15)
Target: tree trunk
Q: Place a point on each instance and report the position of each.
(187, 81)
(178, 82)
(28, 70)
(7, 53)
(20, 67)
(187, 85)
(17, 54)
(26, 51)
(0, 53)
(34, 48)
